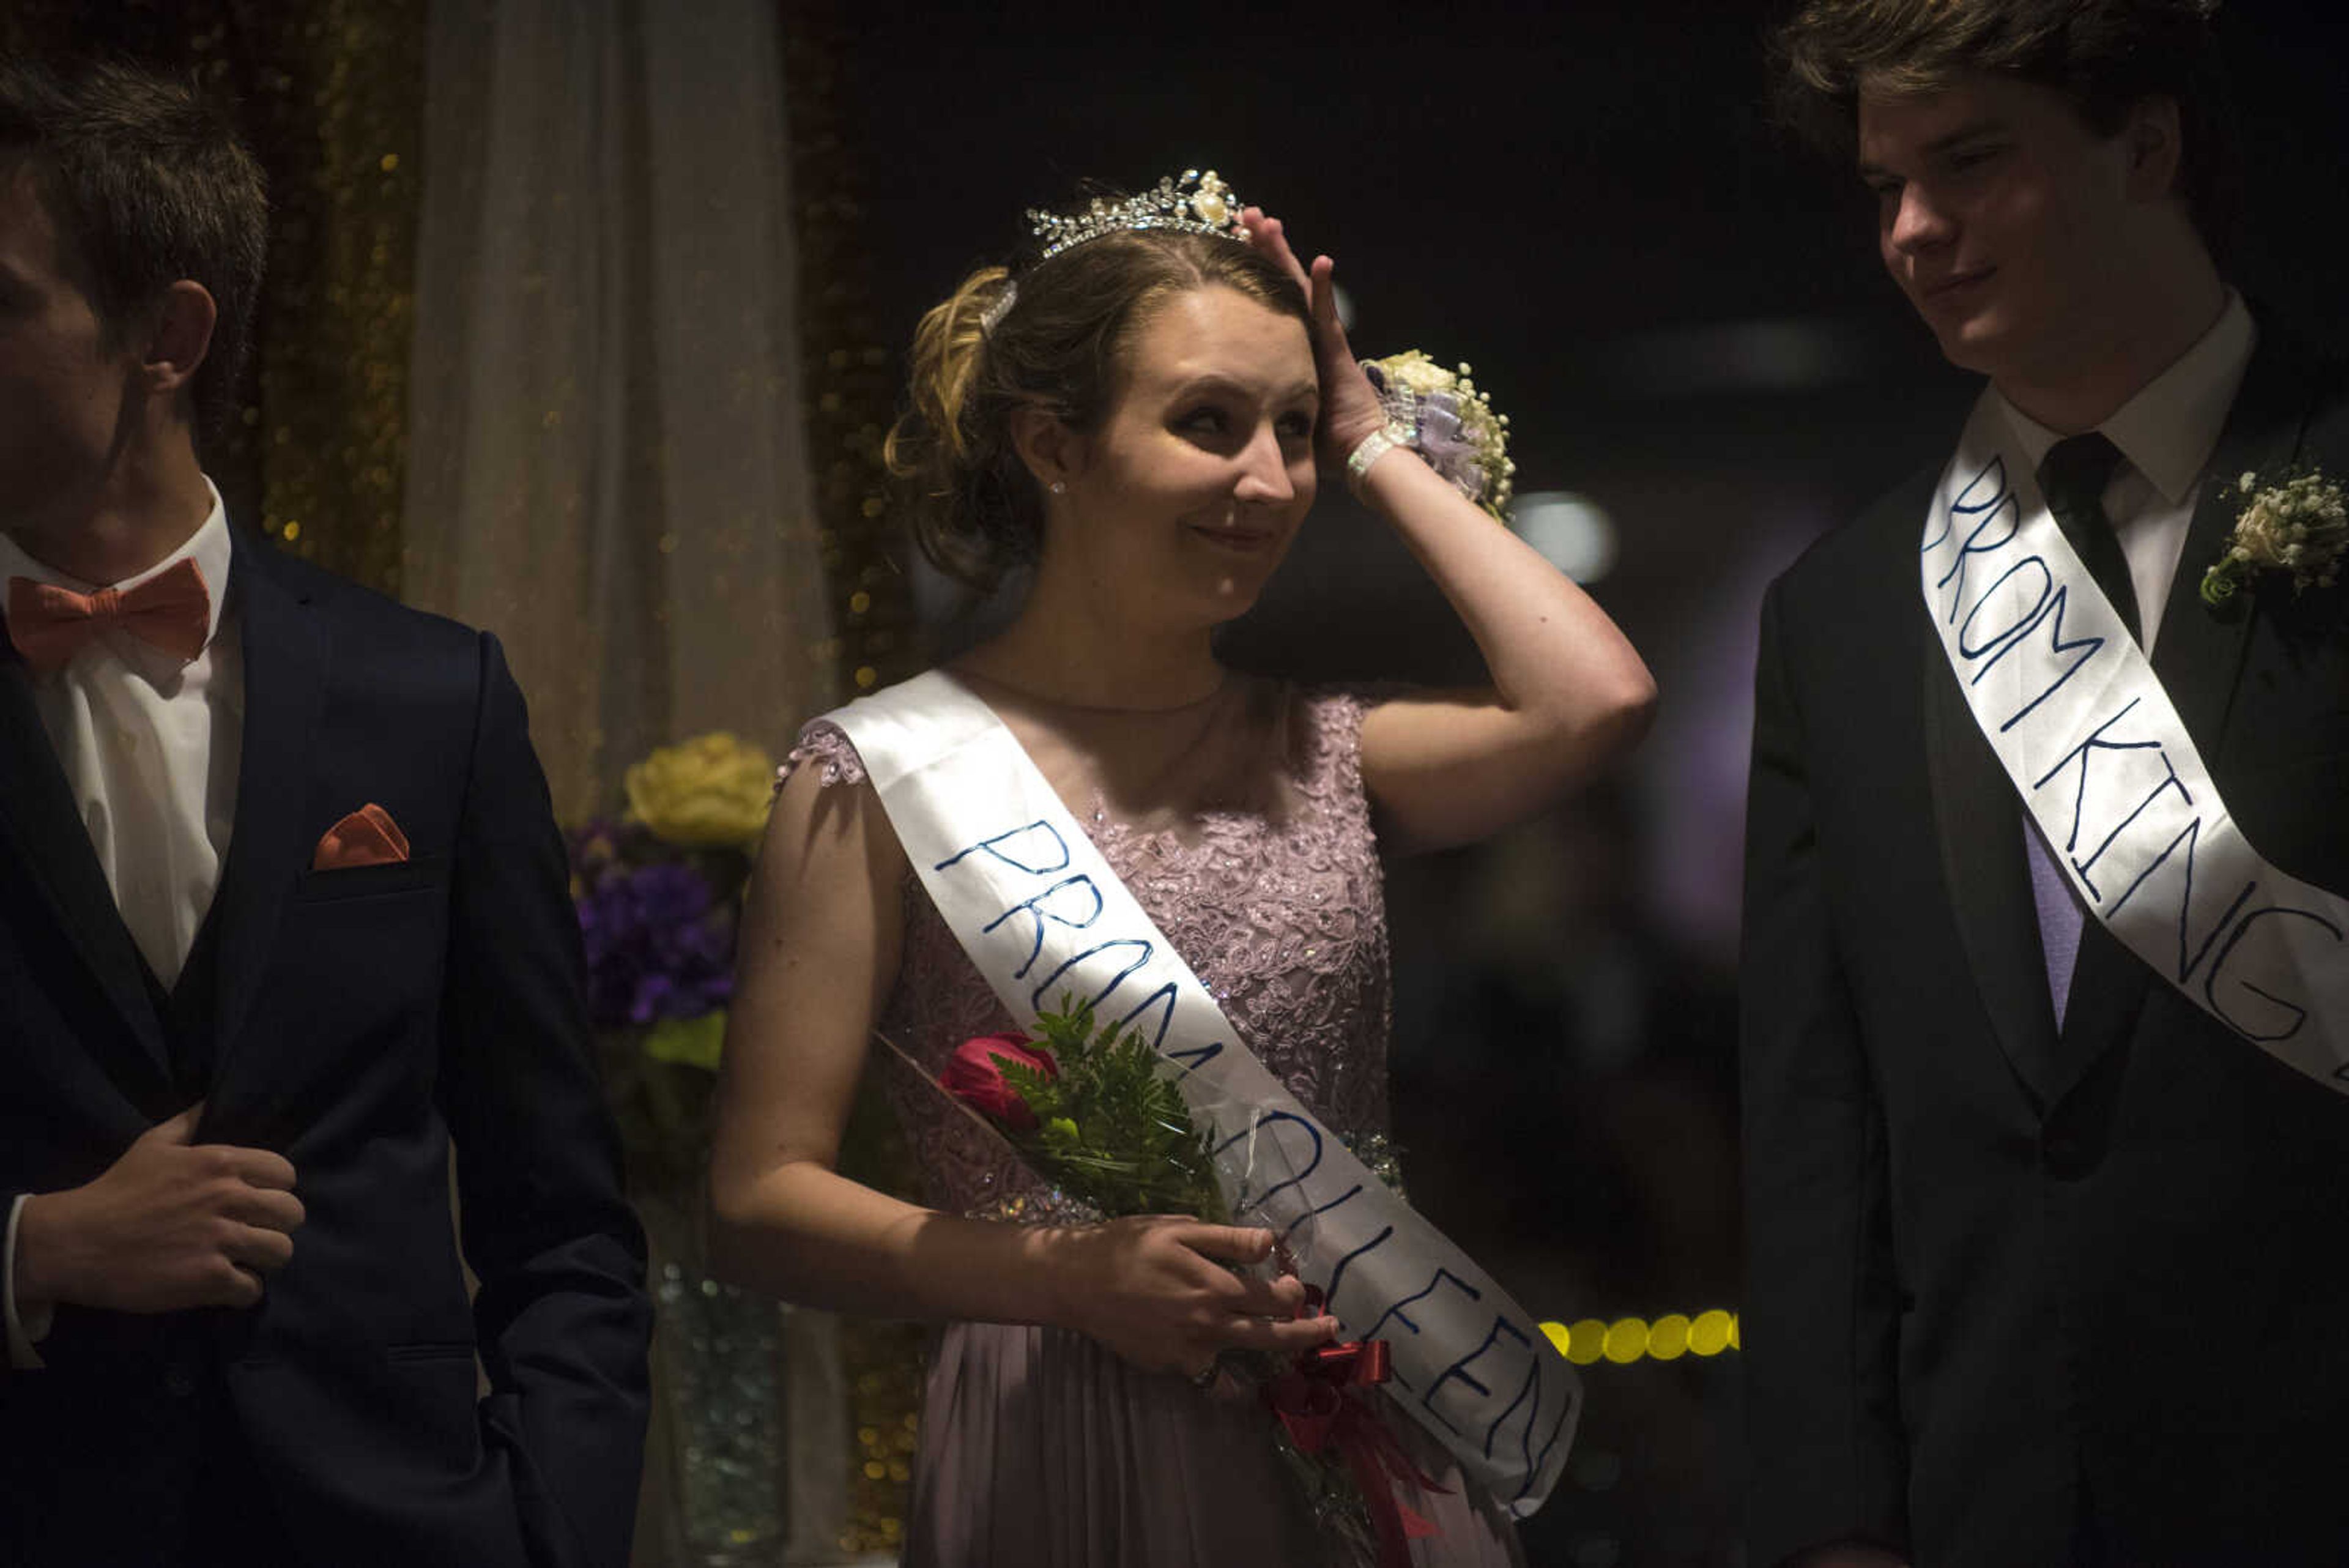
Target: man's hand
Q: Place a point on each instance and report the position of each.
(169, 1225)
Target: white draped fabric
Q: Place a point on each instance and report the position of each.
(607, 463)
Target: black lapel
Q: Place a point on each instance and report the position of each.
(285, 656)
(41, 831)
(2199, 656)
(1980, 829)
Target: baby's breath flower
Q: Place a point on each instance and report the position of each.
(2300, 526)
(1443, 416)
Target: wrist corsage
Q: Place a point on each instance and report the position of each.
(2300, 525)
(1442, 416)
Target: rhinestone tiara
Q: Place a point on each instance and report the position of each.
(1195, 204)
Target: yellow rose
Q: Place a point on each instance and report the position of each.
(1415, 370)
(712, 792)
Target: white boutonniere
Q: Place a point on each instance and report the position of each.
(2300, 526)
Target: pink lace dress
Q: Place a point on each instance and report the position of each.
(1039, 1449)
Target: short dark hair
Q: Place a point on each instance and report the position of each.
(2103, 57)
(1055, 336)
(146, 184)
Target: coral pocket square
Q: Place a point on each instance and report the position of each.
(366, 837)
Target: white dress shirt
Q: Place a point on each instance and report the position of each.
(2165, 433)
(150, 747)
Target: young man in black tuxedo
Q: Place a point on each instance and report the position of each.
(282, 915)
(2044, 1251)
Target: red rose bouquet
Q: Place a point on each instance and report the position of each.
(975, 1076)
(1093, 1111)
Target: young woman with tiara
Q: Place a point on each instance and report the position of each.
(1136, 414)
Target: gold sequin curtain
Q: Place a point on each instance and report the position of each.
(851, 355)
(329, 94)
(852, 373)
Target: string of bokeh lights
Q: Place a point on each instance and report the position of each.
(1630, 1339)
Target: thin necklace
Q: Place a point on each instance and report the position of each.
(1105, 708)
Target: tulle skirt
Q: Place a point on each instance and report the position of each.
(1041, 1449)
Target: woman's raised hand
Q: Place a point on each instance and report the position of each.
(1350, 405)
(1151, 1288)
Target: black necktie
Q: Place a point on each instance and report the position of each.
(2073, 476)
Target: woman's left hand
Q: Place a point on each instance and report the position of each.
(1350, 405)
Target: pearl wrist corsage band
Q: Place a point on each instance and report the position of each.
(1372, 448)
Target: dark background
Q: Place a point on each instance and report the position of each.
(1683, 313)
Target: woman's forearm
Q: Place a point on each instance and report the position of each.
(1554, 657)
(807, 1234)
(1569, 692)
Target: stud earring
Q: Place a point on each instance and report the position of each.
(1059, 488)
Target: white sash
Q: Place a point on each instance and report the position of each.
(1041, 914)
(2103, 763)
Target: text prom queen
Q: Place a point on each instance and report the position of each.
(1137, 411)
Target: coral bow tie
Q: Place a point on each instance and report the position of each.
(172, 610)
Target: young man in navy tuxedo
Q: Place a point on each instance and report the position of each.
(283, 916)
(2046, 1258)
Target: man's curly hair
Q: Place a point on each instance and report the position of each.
(2104, 56)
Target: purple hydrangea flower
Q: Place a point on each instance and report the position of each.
(659, 939)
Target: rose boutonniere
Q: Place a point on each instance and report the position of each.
(2300, 525)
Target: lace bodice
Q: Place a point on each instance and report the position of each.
(1278, 909)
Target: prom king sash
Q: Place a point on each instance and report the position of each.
(1041, 915)
(2105, 766)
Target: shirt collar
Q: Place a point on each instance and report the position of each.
(2168, 430)
(209, 547)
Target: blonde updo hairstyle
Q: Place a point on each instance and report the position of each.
(974, 510)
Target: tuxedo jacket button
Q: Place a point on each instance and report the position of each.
(178, 1383)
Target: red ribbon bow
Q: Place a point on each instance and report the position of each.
(1310, 1400)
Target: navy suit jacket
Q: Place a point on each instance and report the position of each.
(2014, 1293)
(361, 1020)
